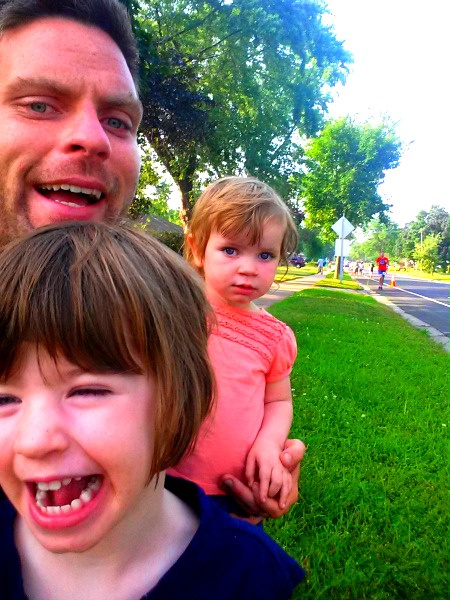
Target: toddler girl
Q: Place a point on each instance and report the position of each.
(239, 233)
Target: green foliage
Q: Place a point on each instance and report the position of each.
(312, 245)
(228, 86)
(426, 252)
(346, 163)
(436, 222)
(172, 239)
(382, 237)
(372, 519)
(152, 195)
(404, 245)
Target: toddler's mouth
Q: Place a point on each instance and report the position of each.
(63, 496)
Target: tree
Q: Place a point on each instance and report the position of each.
(426, 252)
(229, 86)
(434, 222)
(380, 237)
(345, 164)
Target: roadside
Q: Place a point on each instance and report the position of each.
(284, 289)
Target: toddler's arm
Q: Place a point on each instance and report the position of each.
(263, 460)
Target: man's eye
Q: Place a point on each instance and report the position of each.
(116, 123)
(39, 107)
(5, 400)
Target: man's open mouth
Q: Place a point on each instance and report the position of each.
(70, 195)
(66, 495)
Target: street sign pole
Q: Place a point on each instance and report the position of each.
(342, 227)
(341, 262)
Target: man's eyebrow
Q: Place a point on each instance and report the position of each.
(44, 84)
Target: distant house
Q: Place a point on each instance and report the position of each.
(154, 223)
(166, 232)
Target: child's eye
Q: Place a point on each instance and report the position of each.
(266, 255)
(229, 251)
(88, 391)
(5, 400)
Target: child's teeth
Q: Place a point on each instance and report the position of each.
(86, 495)
(76, 504)
(94, 485)
(42, 497)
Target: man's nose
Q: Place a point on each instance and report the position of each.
(41, 430)
(85, 133)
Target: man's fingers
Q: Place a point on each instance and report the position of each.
(240, 492)
(292, 454)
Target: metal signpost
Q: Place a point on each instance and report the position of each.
(342, 227)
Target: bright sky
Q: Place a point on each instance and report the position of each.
(401, 69)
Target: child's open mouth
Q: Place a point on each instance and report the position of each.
(66, 495)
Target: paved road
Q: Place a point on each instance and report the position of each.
(424, 299)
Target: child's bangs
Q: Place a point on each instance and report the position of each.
(63, 305)
(92, 336)
(249, 224)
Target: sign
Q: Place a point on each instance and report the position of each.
(341, 247)
(342, 228)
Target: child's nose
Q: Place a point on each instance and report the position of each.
(40, 431)
(248, 266)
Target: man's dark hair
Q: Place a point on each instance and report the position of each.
(108, 15)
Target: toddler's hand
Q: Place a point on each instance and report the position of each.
(265, 472)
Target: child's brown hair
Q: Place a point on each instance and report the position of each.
(110, 298)
(234, 206)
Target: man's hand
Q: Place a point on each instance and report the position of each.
(248, 498)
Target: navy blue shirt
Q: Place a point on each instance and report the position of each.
(227, 559)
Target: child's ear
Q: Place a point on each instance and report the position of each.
(198, 262)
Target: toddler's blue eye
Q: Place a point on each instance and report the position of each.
(229, 251)
(266, 255)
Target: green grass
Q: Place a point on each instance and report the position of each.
(286, 274)
(370, 402)
(331, 281)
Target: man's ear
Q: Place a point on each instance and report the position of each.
(198, 261)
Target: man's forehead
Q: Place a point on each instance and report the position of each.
(76, 48)
(66, 34)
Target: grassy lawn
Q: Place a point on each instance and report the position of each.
(286, 274)
(331, 281)
(370, 401)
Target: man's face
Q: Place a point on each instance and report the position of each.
(69, 114)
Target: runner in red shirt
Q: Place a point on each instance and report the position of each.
(383, 263)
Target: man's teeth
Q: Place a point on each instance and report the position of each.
(75, 189)
(85, 496)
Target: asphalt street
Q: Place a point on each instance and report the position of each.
(423, 299)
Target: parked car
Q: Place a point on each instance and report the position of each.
(297, 261)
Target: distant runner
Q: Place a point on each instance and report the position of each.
(383, 263)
